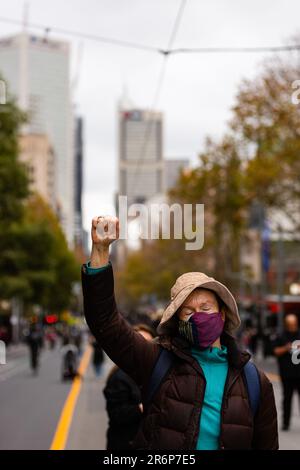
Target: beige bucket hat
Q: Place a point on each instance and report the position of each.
(186, 283)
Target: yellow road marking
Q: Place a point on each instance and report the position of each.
(65, 420)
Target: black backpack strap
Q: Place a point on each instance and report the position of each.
(162, 366)
(253, 385)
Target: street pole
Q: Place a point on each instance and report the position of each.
(263, 290)
(280, 280)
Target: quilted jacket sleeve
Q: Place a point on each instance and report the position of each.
(126, 347)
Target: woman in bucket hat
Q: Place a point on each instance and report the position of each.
(204, 401)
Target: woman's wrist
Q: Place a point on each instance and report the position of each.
(99, 256)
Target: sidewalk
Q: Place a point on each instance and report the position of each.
(288, 440)
(16, 350)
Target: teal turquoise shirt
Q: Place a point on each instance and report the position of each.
(90, 270)
(214, 364)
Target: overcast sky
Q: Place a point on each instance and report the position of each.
(198, 90)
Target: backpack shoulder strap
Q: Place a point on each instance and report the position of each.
(253, 385)
(162, 366)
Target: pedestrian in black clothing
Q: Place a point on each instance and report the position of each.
(98, 357)
(34, 341)
(124, 403)
(283, 349)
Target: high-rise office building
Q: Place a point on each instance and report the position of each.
(36, 70)
(79, 233)
(38, 156)
(141, 165)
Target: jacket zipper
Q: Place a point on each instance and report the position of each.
(199, 369)
(195, 439)
(225, 396)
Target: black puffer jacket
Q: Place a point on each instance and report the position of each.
(172, 418)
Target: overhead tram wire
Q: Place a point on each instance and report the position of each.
(82, 35)
(149, 122)
(241, 50)
(164, 52)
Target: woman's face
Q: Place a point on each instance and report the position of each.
(200, 300)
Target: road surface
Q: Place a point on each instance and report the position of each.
(41, 412)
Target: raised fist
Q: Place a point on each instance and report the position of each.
(105, 230)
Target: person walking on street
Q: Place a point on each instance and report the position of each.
(289, 371)
(98, 356)
(210, 397)
(34, 341)
(124, 403)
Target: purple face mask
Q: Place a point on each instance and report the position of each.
(202, 329)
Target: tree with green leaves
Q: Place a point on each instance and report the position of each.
(266, 125)
(49, 266)
(36, 264)
(14, 189)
